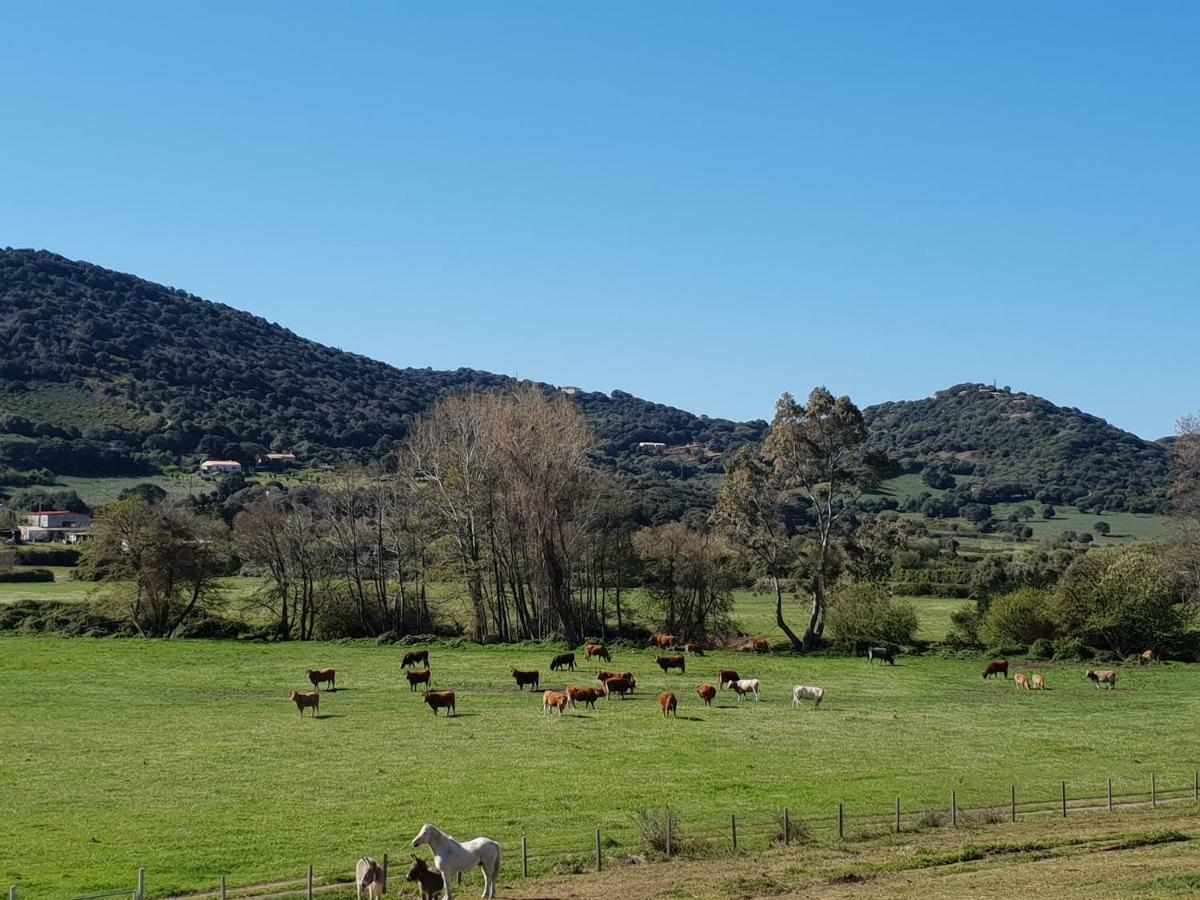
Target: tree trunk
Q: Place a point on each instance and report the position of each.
(783, 626)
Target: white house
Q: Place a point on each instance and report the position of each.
(221, 467)
(651, 445)
(56, 525)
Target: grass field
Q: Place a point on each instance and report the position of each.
(188, 758)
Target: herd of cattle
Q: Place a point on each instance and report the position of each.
(621, 684)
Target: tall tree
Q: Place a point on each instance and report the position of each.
(1185, 503)
(819, 451)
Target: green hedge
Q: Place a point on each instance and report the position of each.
(26, 576)
(58, 556)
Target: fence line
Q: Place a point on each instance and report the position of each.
(763, 832)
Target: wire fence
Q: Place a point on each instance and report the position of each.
(666, 834)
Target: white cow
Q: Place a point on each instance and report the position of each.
(746, 686)
(368, 876)
(450, 857)
(807, 692)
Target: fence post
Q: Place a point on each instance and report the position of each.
(385, 872)
(1196, 786)
(12, 893)
(524, 856)
(1110, 805)
(897, 814)
(841, 822)
(599, 859)
(668, 835)
(787, 828)
(1153, 791)
(141, 888)
(1064, 785)
(954, 809)
(1014, 802)
(733, 829)
(310, 882)
(222, 887)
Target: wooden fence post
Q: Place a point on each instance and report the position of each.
(12, 893)
(841, 822)
(1153, 791)
(668, 835)
(1064, 787)
(385, 872)
(954, 809)
(141, 882)
(524, 856)
(222, 887)
(1196, 786)
(897, 814)
(599, 858)
(310, 882)
(1110, 803)
(1014, 802)
(733, 829)
(787, 828)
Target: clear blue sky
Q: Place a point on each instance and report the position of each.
(703, 203)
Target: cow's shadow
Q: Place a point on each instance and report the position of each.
(330, 716)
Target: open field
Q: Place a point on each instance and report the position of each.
(188, 758)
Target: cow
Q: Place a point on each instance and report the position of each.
(669, 704)
(604, 676)
(554, 700)
(440, 700)
(429, 880)
(996, 667)
(585, 695)
(807, 692)
(420, 676)
(724, 676)
(1150, 656)
(746, 686)
(694, 649)
(412, 657)
(531, 677)
(1099, 678)
(368, 878)
(666, 663)
(619, 686)
(306, 699)
(1039, 682)
(707, 693)
(322, 676)
(663, 641)
(563, 661)
(883, 654)
(756, 645)
(598, 651)
(1021, 680)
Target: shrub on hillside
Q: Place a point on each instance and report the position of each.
(1042, 648)
(862, 614)
(1018, 618)
(26, 576)
(965, 624)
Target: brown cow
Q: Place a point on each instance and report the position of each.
(1150, 656)
(666, 663)
(322, 676)
(756, 645)
(1099, 678)
(599, 651)
(585, 695)
(1021, 680)
(724, 676)
(530, 677)
(604, 676)
(996, 667)
(413, 657)
(305, 699)
(707, 693)
(421, 676)
(669, 703)
(620, 686)
(662, 641)
(694, 649)
(554, 700)
(440, 700)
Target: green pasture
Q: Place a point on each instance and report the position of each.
(188, 758)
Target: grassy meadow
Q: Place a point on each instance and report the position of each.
(188, 758)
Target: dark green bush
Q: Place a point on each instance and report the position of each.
(1042, 648)
(27, 576)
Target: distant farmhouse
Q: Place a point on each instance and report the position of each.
(56, 525)
(651, 445)
(220, 467)
(275, 460)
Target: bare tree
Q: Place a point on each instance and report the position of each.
(687, 574)
(1184, 548)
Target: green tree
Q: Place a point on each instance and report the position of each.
(862, 614)
(1049, 512)
(1102, 527)
(1018, 618)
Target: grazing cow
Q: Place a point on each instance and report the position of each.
(662, 641)
(306, 699)
(450, 857)
(883, 654)
(707, 693)
(806, 692)
(619, 686)
(598, 651)
(554, 700)
(440, 700)
(1039, 682)
(724, 676)
(368, 877)
(746, 686)
(694, 649)
(666, 663)
(429, 880)
(532, 677)
(996, 667)
(669, 703)
(1021, 680)
(413, 657)
(322, 676)
(604, 676)
(1099, 678)
(1150, 656)
(585, 695)
(756, 645)
(421, 676)
(563, 661)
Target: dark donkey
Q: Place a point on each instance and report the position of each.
(430, 880)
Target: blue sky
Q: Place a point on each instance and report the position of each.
(702, 203)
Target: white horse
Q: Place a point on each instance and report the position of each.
(451, 857)
(807, 692)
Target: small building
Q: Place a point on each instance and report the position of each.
(651, 445)
(275, 460)
(570, 390)
(221, 467)
(56, 525)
